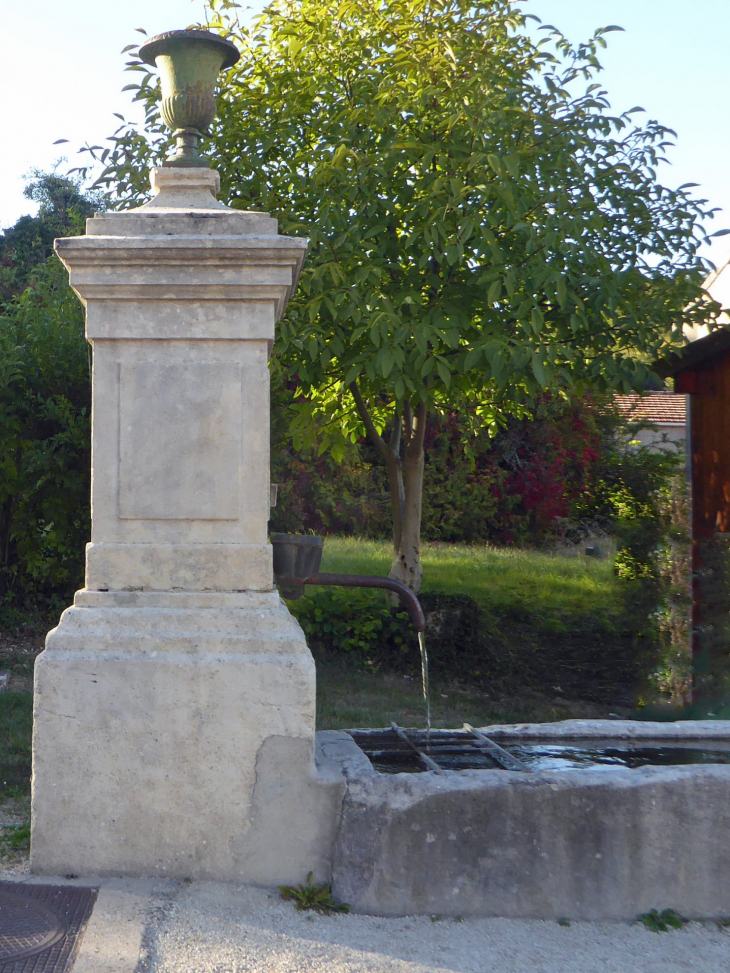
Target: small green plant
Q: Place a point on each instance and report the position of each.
(309, 896)
(16, 838)
(662, 921)
(562, 921)
(352, 622)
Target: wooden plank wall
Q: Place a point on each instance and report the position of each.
(710, 431)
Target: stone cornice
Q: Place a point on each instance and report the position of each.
(167, 268)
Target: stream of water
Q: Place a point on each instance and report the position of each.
(424, 681)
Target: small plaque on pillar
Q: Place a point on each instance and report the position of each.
(180, 441)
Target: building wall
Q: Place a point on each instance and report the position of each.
(710, 425)
(662, 437)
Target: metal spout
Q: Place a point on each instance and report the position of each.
(407, 598)
(297, 558)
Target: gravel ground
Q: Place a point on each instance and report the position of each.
(213, 928)
(13, 812)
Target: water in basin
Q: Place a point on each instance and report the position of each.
(457, 750)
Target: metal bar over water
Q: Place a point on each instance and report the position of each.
(502, 757)
(428, 761)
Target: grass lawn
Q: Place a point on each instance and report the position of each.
(500, 579)
(16, 724)
(348, 697)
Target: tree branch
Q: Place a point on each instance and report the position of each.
(408, 423)
(395, 435)
(376, 439)
(419, 427)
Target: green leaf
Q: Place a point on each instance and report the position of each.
(352, 375)
(539, 371)
(562, 290)
(513, 165)
(444, 373)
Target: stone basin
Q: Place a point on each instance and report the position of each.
(593, 843)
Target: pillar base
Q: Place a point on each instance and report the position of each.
(174, 735)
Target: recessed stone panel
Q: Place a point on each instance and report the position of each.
(180, 441)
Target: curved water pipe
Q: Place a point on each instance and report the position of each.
(296, 563)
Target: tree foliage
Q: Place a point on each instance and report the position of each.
(45, 400)
(535, 481)
(62, 210)
(482, 227)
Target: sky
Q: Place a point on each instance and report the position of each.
(64, 79)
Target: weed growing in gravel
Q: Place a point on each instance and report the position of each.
(662, 921)
(17, 838)
(562, 921)
(309, 896)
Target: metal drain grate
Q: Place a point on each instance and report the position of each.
(41, 926)
(26, 927)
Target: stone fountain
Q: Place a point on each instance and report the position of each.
(174, 714)
(175, 701)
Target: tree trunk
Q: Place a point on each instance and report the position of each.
(406, 566)
(5, 527)
(403, 457)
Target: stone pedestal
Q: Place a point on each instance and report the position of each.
(174, 702)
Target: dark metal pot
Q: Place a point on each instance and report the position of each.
(297, 558)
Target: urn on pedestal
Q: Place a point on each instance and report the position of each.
(175, 701)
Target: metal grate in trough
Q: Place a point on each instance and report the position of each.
(41, 926)
(402, 751)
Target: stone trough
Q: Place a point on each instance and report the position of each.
(592, 843)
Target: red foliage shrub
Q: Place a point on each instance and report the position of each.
(516, 487)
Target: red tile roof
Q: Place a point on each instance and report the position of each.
(663, 408)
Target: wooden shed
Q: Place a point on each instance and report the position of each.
(702, 373)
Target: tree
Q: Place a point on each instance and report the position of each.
(480, 229)
(63, 209)
(45, 401)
